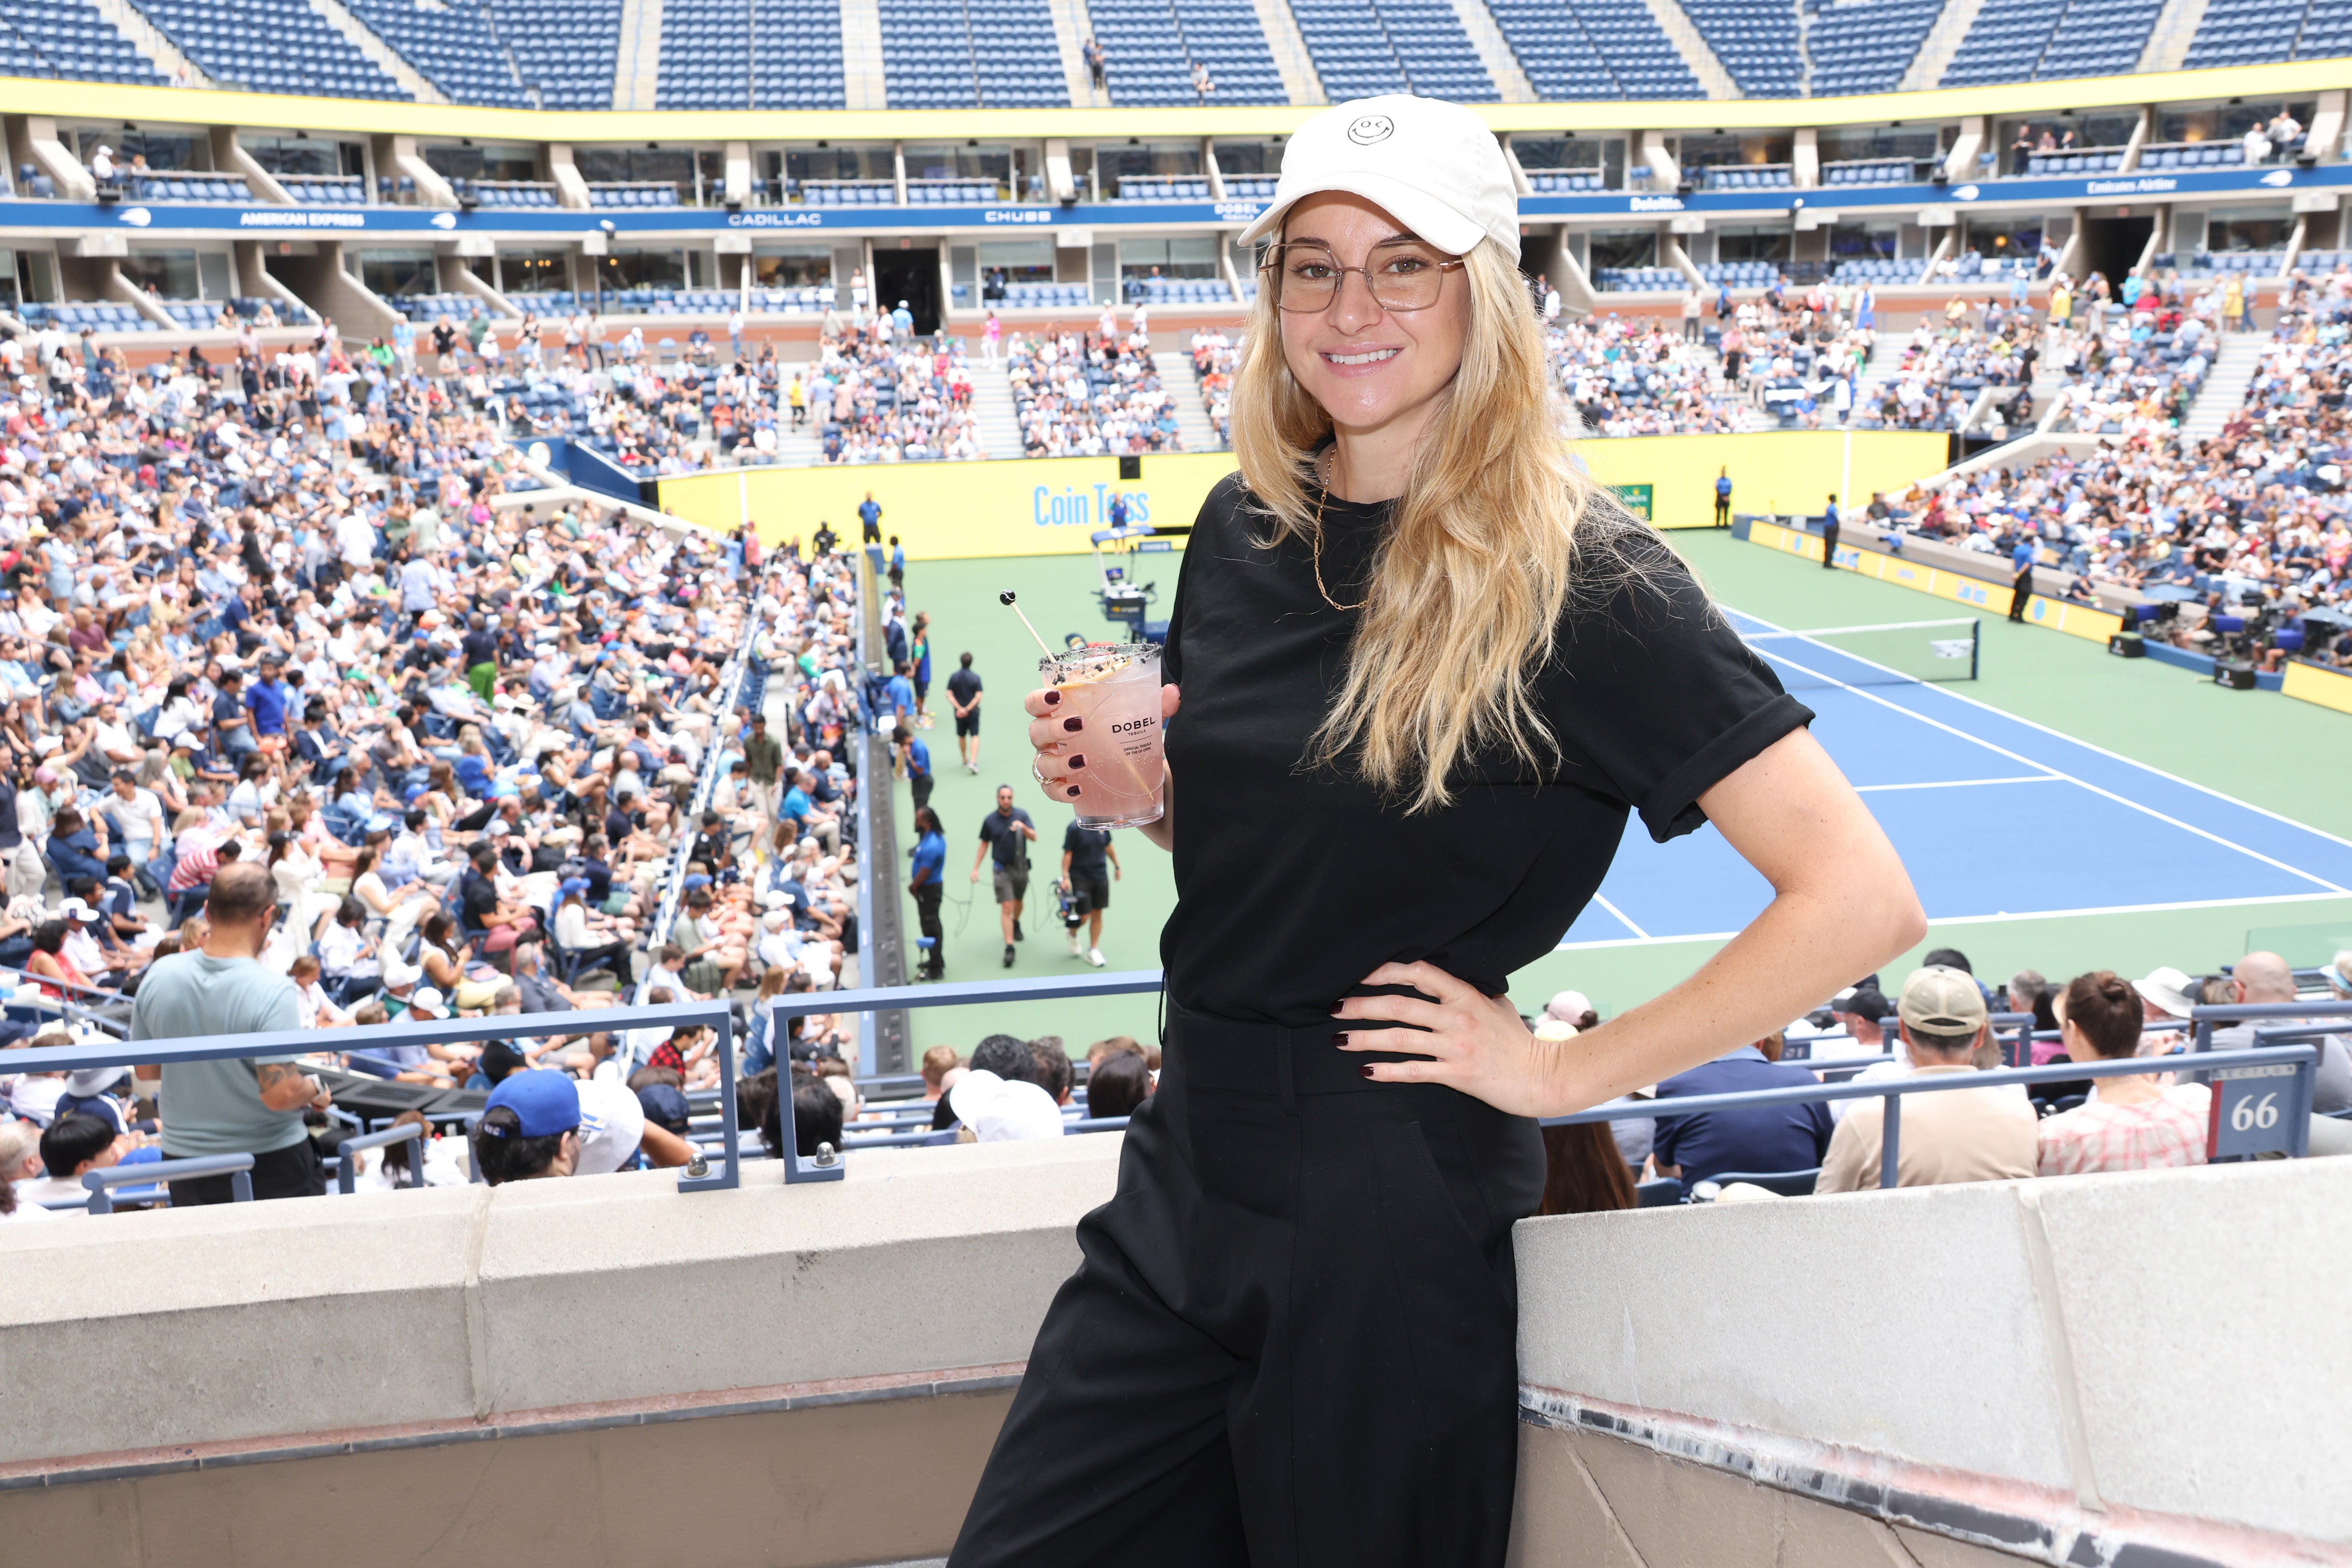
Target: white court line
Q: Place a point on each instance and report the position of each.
(2004, 919)
(1621, 920)
(1964, 783)
(2073, 741)
(2020, 757)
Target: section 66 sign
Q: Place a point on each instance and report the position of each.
(2256, 1111)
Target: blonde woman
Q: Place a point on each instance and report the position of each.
(1428, 670)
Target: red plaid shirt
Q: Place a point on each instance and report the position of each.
(2165, 1131)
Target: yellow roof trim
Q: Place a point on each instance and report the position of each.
(164, 105)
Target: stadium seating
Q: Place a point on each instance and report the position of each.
(1876, 270)
(1867, 48)
(848, 193)
(422, 308)
(269, 46)
(1151, 45)
(994, 54)
(1639, 280)
(1563, 182)
(455, 48)
(1189, 188)
(1056, 296)
(1391, 45)
(2032, 41)
(950, 193)
(1869, 171)
(708, 61)
(634, 193)
(188, 185)
(2193, 155)
(509, 192)
(66, 39)
(104, 317)
(349, 191)
(1740, 274)
(1749, 176)
(1251, 187)
(565, 49)
(1180, 291)
(1593, 50)
(1756, 42)
(2092, 161)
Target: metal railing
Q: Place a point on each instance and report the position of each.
(689, 824)
(347, 1165)
(237, 1168)
(2292, 1123)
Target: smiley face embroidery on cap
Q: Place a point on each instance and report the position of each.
(1370, 129)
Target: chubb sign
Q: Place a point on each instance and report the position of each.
(1070, 508)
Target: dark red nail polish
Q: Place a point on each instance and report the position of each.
(1339, 1039)
(1072, 792)
(1367, 1070)
(1076, 761)
(1052, 699)
(1074, 723)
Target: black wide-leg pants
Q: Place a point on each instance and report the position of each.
(1292, 1339)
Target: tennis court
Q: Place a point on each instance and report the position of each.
(1997, 817)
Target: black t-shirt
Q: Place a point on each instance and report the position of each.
(1294, 884)
(479, 897)
(962, 686)
(481, 647)
(1088, 849)
(1006, 846)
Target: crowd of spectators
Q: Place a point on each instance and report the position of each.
(1940, 1023)
(1216, 358)
(880, 394)
(1635, 378)
(289, 623)
(1090, 395)
(2252, 525)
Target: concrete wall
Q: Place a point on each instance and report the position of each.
(2062, 1367)
(2108, 1370)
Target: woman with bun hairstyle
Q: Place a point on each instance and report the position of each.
(1421, 670)
(2128, 1123)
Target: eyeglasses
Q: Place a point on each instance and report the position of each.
(1402, 275)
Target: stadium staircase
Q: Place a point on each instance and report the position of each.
(1288, 47)
(799, 449)
(636, 69)
(1072, 27)
(143, 36)
(992, 410)
(2168, 42)
(1494, 53)
(863, 84)
(389, 60)
(2225, 385)
(1192, 414)
(1714, 80)
(1943, 41)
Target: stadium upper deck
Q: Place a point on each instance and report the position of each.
(206, 198)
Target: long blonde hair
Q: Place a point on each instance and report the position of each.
(1497, 533)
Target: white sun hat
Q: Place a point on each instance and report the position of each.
(1434, 167)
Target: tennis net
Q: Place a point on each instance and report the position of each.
(1896, 653)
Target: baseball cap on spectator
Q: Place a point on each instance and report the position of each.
(665, 1107)
(545, 1103)
(75, 910)
(1003, 1111)
(2169, 988)
(399, 974)
(1942, 1001)
(571, 885)
(428, 1000)
(1865, 1001)
(696, 880)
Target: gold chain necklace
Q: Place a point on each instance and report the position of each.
(1315, 542)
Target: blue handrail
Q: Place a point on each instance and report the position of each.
(237, 1168)
(2303, 1058)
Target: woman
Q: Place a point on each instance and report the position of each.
(49, 962)
(1408, 633)
(399, 909)
(2128, 1123)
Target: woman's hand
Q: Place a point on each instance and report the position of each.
(1061, 742)
(1472, 1042)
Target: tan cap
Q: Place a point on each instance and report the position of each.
(1942, 1001)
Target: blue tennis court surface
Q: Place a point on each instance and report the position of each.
(1996, 818)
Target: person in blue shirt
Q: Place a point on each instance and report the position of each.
(2021, 585)
(927, 888)
(869, 519)
(898, 698)
(915, 762)
(1723, 498)
(1758, 1140)
(265, 700)
(898, 564)
(1830, 534)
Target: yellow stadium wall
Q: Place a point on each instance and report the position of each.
(2075, 620)
(1048, 506)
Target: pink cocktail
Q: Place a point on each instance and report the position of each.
(1110, 768)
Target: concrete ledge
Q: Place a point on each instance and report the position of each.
(461, 1308)
(2155, 1345)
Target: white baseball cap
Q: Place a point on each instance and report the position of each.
(1434, 167)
